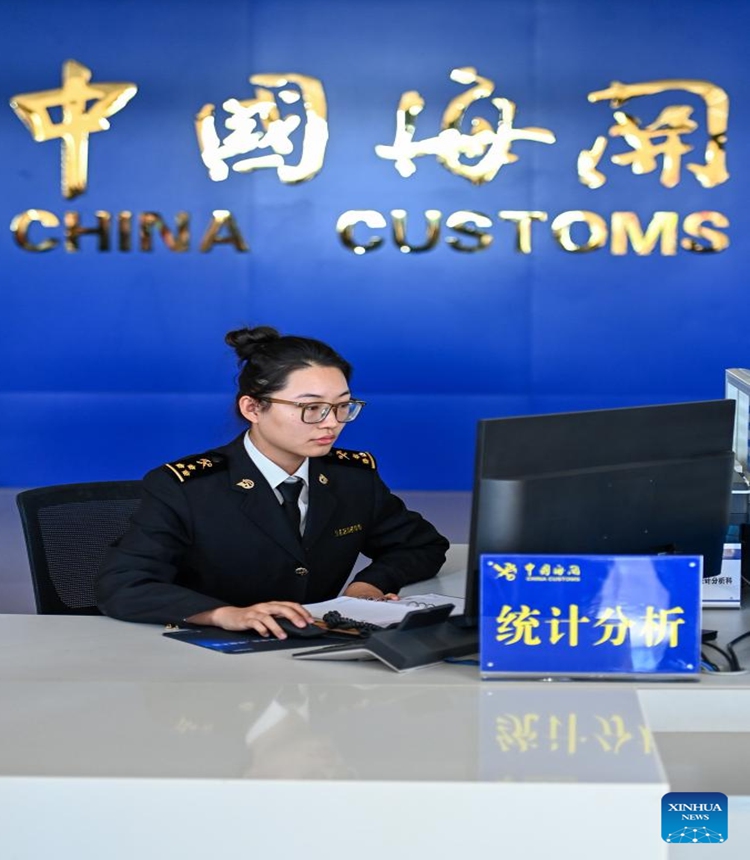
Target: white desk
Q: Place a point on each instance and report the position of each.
(116, 742)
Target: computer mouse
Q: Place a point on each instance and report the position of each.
(311, 631)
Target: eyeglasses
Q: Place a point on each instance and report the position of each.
(314, 413)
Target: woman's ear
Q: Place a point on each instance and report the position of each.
(249, 408)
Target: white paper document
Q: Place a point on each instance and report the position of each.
(382, 612)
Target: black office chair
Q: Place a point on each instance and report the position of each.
(68, 529)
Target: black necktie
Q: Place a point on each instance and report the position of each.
(290, 490)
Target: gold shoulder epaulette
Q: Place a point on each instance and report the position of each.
(363, 459)
(196, 466)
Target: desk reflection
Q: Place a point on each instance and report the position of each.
(325, 732)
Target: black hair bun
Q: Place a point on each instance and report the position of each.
(245, 341)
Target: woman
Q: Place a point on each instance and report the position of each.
(242, 535)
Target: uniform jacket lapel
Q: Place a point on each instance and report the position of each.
(257, 500)
(322, 501)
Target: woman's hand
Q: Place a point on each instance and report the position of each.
(258, 617)
(367, 592)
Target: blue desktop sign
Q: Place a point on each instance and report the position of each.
(595, 615)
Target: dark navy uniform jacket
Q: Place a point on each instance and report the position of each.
(210, 532)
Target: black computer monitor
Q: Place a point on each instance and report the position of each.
(642, 480)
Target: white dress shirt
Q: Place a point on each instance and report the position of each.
(275, 475)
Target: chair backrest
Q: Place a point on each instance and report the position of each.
(68, 529)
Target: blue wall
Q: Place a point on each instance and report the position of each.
(113, 362)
